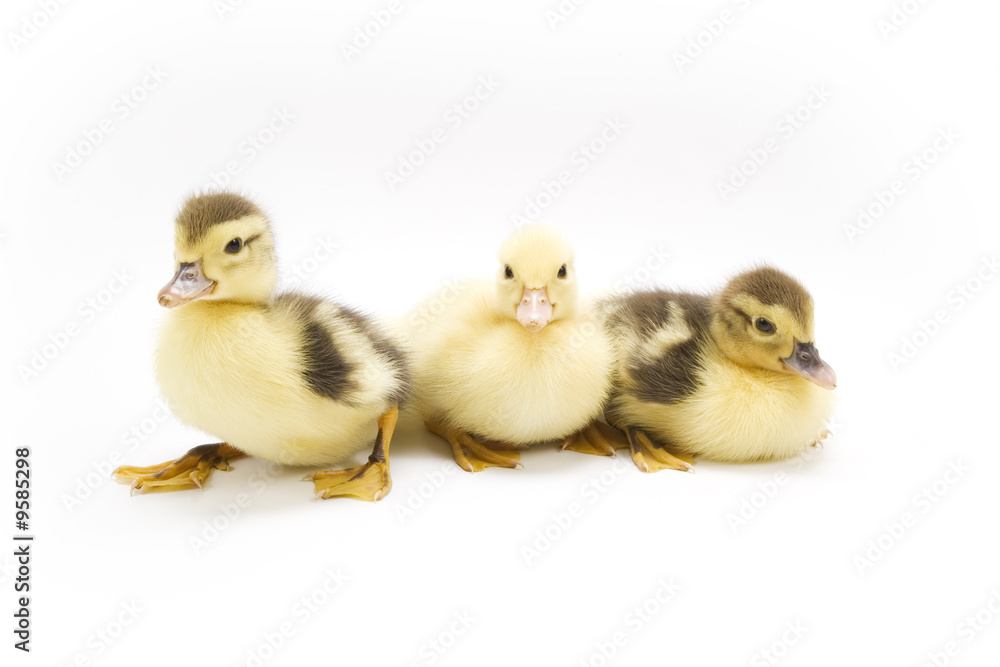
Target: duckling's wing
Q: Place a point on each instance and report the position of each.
(345, 355)
(663, 335)
(324, 367)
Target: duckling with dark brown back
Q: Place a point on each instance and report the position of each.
(289, 378)
(730, 377)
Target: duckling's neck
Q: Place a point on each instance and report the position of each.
(206, 314)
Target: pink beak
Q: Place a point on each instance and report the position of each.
(534, 311)
(188, 284)
(805, 361)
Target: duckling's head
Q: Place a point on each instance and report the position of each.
(224, 252)
(764, 318)
(536, 282)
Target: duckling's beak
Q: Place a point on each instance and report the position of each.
(188, 284)
(534, 311)
(806, 362)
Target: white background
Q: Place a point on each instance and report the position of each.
(804, 554)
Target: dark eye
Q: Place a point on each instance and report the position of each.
(508, 272)
(234, 246)
(562, 271)
(764, 326)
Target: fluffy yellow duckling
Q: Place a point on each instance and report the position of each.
(290, 378)
(730, 377)
(515, 361)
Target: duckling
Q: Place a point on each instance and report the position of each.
(730, 377)
(288, 378)
(515, 361)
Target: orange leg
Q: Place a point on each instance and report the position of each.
(471, 454)
(597, 438)
(190, 470)
(369, 482)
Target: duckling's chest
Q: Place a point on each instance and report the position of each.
(741, 414)
(522, 388)
(230, 366)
